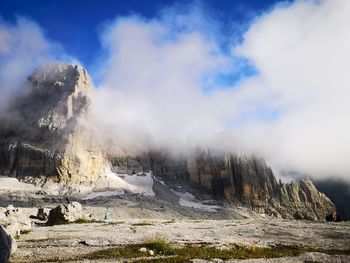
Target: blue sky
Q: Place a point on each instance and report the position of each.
(77, 25)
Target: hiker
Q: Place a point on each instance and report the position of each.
(106, 218)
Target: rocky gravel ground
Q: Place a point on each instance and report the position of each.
(136, 219)
(64, 242)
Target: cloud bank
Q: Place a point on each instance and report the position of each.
(302, 54)
(163, 83)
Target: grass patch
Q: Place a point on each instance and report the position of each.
(88, 220)
(172, 254)
(143, 223)
(169, 221)
(231, 225)
(39, 240)
(85, 221)
(158, 245)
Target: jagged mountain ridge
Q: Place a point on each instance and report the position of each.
(236, 178)
(46, 134)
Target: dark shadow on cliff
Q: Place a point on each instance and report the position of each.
(339, 192)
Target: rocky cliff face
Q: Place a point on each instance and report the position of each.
(45, 131)
(236, 178)
(45, 136)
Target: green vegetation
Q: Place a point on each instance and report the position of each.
(85, 221)
(143, 223)
(169, 222)
(39, 240)
(62, 221)
(88, 220)
(165, 252)
(158, 245)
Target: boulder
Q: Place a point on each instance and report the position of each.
(64, 214)
(43, 214)
(7, 245)
(14, 221)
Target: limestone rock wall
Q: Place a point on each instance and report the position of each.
(302, 200)
(236, 178)
(45, 131)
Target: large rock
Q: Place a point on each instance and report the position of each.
(64, 214)
(14, 221)
(45, 133)
(7, 245)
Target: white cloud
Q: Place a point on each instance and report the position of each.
(23, 47)
(295, 110)
(153, 80)
(302, 52)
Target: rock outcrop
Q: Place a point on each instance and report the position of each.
(14, 221)
(302, 200)
(64, 214)
(45, 132)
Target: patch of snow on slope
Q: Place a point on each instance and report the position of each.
(189, 200)
(115, 184)
(9, 183)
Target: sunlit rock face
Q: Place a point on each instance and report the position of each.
(45, 133)
(236, 178)
(249, 180)
(305, 200)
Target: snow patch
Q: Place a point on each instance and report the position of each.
(9, 183)
(113, 184)
(189, 200)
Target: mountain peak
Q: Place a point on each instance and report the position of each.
(47, 129)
